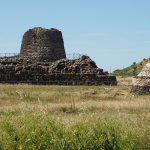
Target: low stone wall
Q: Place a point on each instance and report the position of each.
(58, 79)
(82, 71)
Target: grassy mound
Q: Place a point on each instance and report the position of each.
(132, 70)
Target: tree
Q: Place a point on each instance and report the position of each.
(134, 68)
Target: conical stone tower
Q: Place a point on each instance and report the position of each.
(41, 44)
(141, 83)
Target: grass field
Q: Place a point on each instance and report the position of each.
(73, 118)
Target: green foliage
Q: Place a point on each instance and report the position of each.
(39, 131)
(132, 70)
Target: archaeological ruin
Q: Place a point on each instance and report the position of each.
(42, 60)
(141, 83)
(41, 44)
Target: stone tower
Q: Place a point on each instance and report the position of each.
(41, 44)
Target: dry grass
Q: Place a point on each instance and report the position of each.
(75, 105)
(124, 80)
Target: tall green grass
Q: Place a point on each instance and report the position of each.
(73, 118)
(40, 130)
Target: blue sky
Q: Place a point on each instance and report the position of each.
(114, 33)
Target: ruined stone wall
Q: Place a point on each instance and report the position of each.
(141, 83)
(41, 44)
(42, 60)
(58, 79)
(81, 71)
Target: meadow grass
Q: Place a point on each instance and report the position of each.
(73, 118)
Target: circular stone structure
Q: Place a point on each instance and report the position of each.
(40, 44)
(42, 60)
(141, 83)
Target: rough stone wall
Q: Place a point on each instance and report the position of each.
(42, 60)
(141, 83)
(81, 71)
(41, 44)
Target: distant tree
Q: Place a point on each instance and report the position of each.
(144, 59)
(134, 68)
(134, 63)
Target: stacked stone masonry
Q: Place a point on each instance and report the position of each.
(41, 44)
(42, 60)
(141, 83)
(81, 71)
